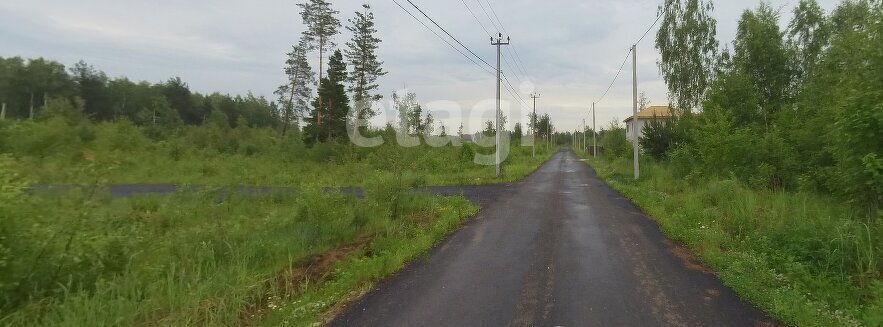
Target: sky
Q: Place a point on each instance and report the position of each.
(568, 51)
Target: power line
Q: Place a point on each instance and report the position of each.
(627, 58)
(517, 57)
(615, 77)
(489, 16)
(442, 38)
(495, 15)
(508, 64)
(449, 34)
(649, 28)
(476, 18)
(512, 64)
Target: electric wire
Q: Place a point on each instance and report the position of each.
(476, 19)
(443, 39)
(449, 34)
(627, 58)
(616, 76)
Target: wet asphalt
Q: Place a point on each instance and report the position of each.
(558, 248)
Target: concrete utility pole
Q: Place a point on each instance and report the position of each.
(499, 42)
(3, 112)
(594, 134)
(533, 124)
(635, 132)
(584, 135)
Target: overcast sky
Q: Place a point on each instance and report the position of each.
(570, 49)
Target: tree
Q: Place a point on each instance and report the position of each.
(428, 124)
(643, 101)
(407, 106)
(489, 129)
(808, 33)
(335, 106)
(660, 136)
(294, 95)
(614, 140)
(415, 118)
(686, 40)
(361, 55)
(180, 99)
(517, 132)
(91, 86)
(322, 26)
(761, 54)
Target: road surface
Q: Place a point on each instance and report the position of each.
(559, 248)
(479, 194)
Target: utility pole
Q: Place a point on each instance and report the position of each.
(499, 42)
(584, 134)
(635, 132)
(594, 134)
(3, 112)
(533, 123)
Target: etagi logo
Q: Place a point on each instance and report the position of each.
(397, 110)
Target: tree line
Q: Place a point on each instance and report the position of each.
(35, 88)
(796, 107)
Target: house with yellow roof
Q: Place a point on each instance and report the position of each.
(645, 116)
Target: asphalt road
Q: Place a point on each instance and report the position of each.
(480, 194)
(559, 248)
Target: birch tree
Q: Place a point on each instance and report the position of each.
(688, 45)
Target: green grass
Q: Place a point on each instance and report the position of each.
(83, 259)
(807, 259)
(57, 151)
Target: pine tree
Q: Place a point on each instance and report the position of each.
(332, 101)
(361, 55)
(322, 26)
(294, 95)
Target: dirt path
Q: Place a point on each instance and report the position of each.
(559, 248)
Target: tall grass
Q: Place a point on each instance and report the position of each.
(59, 151)
(84, 259)
(808, 259)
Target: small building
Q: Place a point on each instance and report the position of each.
(645, 117)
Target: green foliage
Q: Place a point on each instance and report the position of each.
(331, 107)
(361, 54)
(808, 33)
(799, 114)
(660, 136)
(687, 42)
(859, 147)
(294, 95)
(182, 259)
(614, 141)
(807, 259)
(35, 82)
(764, 59)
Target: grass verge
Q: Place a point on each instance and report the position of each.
(807, 259)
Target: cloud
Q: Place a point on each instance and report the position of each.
(570, 49)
